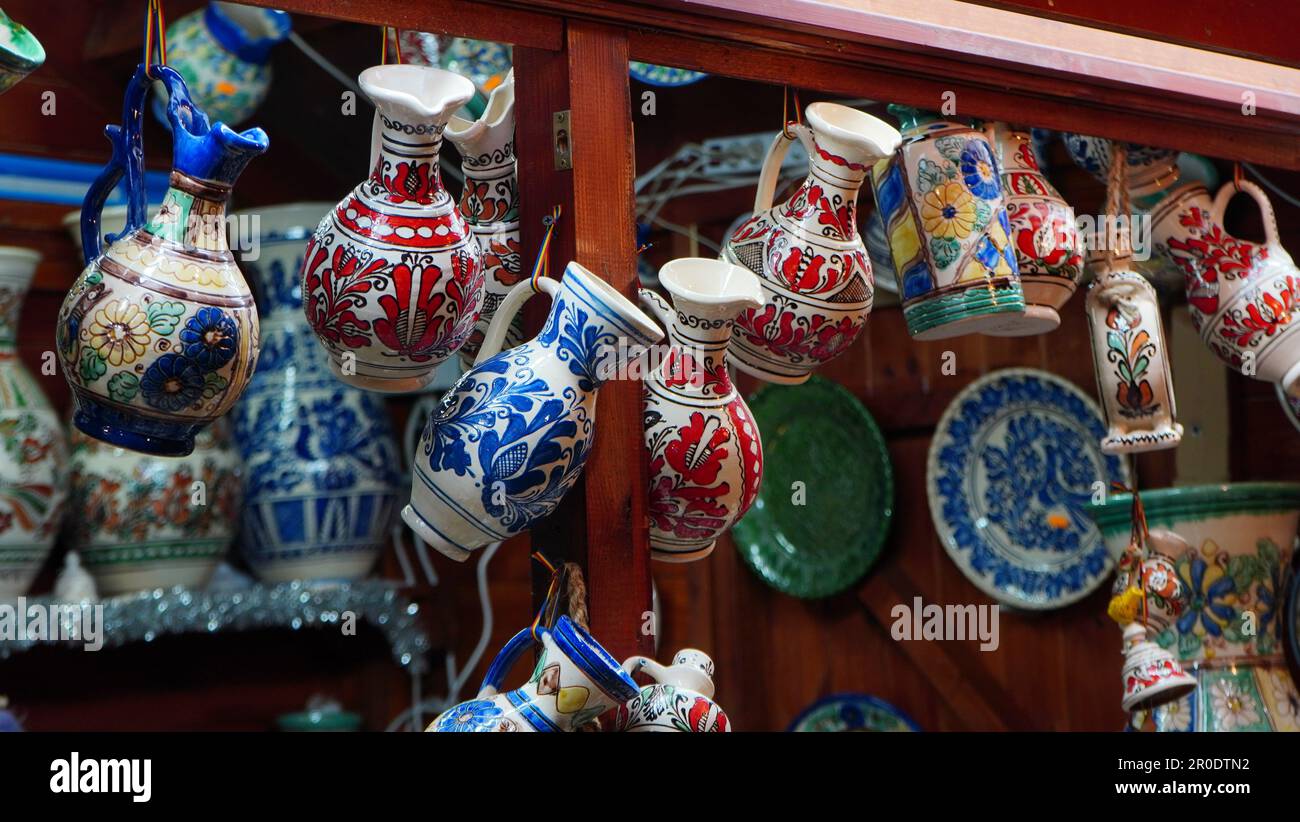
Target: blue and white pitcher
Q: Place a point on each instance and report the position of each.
(509, 440)
(574, 682)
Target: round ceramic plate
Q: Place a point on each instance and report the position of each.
(852, 712)
(1014, 460)
(665, 76)
(828, 490)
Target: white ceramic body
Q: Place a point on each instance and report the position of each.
(1131, 361)
(510, 439)
(33, 448)
(142, 522)
(679, 701)
(320, 455)
(1151, 675)
(704, 448)
(393, 277)
(807, 253)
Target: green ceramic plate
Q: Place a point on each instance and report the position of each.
(828, 490)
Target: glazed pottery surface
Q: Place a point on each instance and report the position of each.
(822, 448)
(1007, 433)
(141, 521)
(393, 276)
(1150, 170)
(485, 62)
(1239, 541)
(1290, 401)
(489, 202)
(20, 52)
(1242, 296)
(158, 335)
(679, 701)
(852, 712)
(34, 460)
(574, 682)
(706, 454)
(320, 455)
(813, 265)
(941, 202)
(1049, 250)
(223, 51)
(510, 439)
(663, 76)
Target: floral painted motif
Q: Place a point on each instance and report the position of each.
(979, 171)
(1129, 349)
(172, 382)
(209, 339)
(474, 716)
(119, 333)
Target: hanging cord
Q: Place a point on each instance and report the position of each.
(1117, 205)
(577, 587)
(383, 46)
(786, 122)
(546, 613)
(1272, 186)
(541, 266)
(155, 34)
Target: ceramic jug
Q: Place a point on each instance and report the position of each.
(20, 52)
(680, 700)
(320, 455)
(940, 198)
(808, 255)
(509, 440)
(141, 521)
(393, 277)
(1148, 170)
(574, 682)
(158, 336)
(34, 460)
(223, 51)
(489, 202)
(705, 452)
(1242, 297)
(1049, 250)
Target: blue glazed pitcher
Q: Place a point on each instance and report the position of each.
(575, 681)
(158, 336)
(320, 455)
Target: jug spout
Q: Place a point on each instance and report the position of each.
(848, 142)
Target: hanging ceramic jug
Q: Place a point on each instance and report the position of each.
(393, 278)
(223, 51)
(20, 52)
(158, 336)
(679, 701)
(1129, 353)
(320, 455)
(574, 682)
(940, 198)
(1242, 296)
(1049, 251)
(34, 459)
(706, 455)
(509, 440)
(1148, 170)
(807, 253)
(490, 204)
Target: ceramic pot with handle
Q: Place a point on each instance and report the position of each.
(20, 52)
(679, 701)
(807, 253)
(706, 454)
(510, 439)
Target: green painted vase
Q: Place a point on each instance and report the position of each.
(20, 52)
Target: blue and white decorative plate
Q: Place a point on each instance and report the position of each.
(1014, 460)
(665, 76)
(852, 712)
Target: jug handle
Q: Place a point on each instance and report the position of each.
(661, 309)
(652, 669)
(505, 660)
(495, 336)
(127, 160)
(1229, 190)
(774, 160)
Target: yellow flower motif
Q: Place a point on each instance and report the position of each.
(120, 332)
(948, 211)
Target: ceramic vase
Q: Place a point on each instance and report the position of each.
(320, 455)
(705, 452)
(679, 701)
(141, 521)
(393, 277)
(1049, 250)
(158, 335)
(34, 460)
(223, 51)
(510, 439)
(574, 682)
(940, 198)
(1148, 172)
(1239, 540)
(1242, 297)
(489, 202)
(807, 253)
(20, 52)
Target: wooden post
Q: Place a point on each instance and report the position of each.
(602, 524)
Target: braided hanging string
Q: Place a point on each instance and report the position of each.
(1120, 245)
(155, 34)
(577, 587)
(542, 265)
(383, 46)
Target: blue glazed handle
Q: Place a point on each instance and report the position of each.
(506, 660)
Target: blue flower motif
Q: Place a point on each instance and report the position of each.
(1207, 594)
(171, 383)
(209, 338)
(980, 171)
(474, 716)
